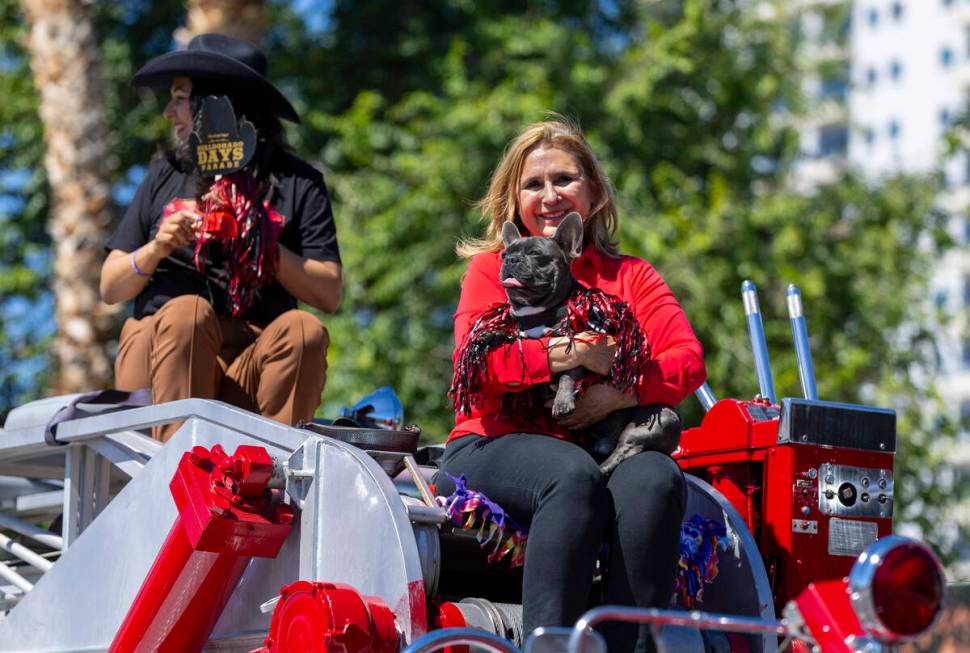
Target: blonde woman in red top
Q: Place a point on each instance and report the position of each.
(533, 469)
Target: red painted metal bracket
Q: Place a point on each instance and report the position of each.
(227, 515)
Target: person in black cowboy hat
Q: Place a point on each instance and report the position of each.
(216, 265)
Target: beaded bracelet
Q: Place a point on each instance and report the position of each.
(136, 269)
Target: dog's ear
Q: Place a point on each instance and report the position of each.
(569, 235)
(510, 233)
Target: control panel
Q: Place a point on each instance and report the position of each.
(855, 491)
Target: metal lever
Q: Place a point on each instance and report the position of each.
(749, 295)
(799, 334)
(423, 489)
(706, 396)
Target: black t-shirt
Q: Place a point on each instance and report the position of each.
(299, 195)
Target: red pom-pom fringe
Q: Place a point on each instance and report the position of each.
(248, 230)
(588, 309)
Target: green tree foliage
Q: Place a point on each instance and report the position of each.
(690, 106)
(130, 33)
(23, 206)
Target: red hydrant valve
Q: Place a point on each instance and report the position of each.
(225, 505)
(330, 618)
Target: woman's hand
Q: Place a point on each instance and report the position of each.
(594, 404)
(125, 274)
(590, 349)
(177, 230)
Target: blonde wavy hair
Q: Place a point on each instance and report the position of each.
(501, 202)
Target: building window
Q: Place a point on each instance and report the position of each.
(871, 76)
(895, 70)
(873, 17)
(869, 135)
(965, 352)
(945, 118)
(894, 129)
(897, 10)
(964, 414)
(966, 290)
(948, 3)
(833, 88)
(832, 140)
(946, 57)
(966, 177)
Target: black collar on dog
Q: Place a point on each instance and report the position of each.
(549, 317)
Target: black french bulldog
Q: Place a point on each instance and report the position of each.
(537, 279)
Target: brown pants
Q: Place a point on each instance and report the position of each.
(185, 350)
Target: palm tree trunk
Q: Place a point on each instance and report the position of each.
(245, 19)
(67, 75)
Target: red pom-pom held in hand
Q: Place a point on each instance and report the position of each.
(247, 229)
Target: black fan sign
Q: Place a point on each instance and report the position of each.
(221, 146)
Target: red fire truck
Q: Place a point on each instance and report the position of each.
(329, 538)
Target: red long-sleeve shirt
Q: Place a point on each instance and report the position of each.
(677, 368)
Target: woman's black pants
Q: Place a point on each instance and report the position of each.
(556, 489)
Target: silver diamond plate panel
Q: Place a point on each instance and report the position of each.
(848, 537)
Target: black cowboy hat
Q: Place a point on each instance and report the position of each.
(219, 58)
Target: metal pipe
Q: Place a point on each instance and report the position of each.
(799, 334)
(706, 396)
(24, 553)
(11, 576)
(30, 530)
(694, 619)
(438, 639)
(419, 481)
(762, 365)
(277, 479)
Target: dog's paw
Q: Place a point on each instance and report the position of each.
(621, 453)
(659, 430)
(563, 406)
(653, 428)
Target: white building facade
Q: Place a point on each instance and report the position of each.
(910, 76)
(910, 72)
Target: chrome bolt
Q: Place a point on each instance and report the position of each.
(865, 481)
(882, 483)
(812, 473)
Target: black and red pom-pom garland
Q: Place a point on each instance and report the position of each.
(251, 255)
(588, 309)
(246, 228)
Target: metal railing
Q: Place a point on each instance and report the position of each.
(101, 453)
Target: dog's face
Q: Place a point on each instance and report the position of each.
(535, 270)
